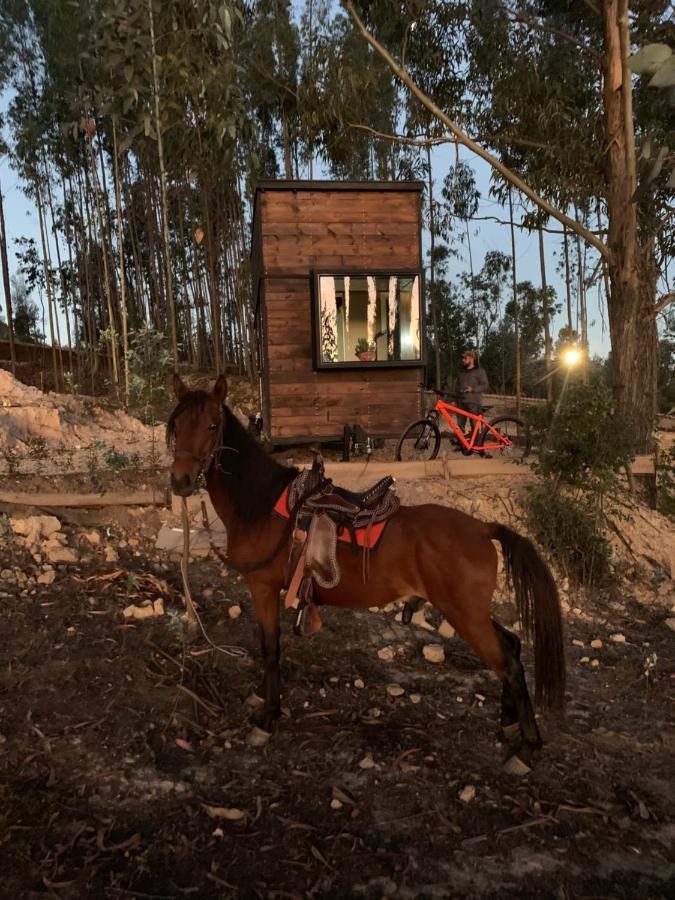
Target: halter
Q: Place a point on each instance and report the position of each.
(205, 462)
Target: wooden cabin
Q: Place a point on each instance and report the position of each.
(339, 312)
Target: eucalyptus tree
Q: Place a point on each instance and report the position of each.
(549, 87)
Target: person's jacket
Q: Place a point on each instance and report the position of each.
(474, 378)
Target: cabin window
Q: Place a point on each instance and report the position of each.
(368, 320)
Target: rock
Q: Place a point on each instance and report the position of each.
(419, 619)
(617, 638)
(359, 684)
(595, 663)
(44, 525)
(415, 698)
(576, 643)
(367, 762)
(336, 804)
(46, 577)
(467, 794)
(93, 538)
(111, 555)
(158, 606)
(141, 612)
(257, 737)
(208, 593)
(234, 611)
(515, 766)
(446, 630)
(433, 653)
(386, 654)
(585, 659)
(395, 690)
(596, 644)
(7, 576)
(56, 553)
(670, 623)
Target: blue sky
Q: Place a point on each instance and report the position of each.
(21, 221)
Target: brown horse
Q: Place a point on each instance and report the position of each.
(431, 552)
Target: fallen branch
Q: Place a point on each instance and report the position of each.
(137, 498)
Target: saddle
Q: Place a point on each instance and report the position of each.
(325, 514)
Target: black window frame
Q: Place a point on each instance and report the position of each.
(319, 364)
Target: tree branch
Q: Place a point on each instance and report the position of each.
(666, 300)
(563, 35)
(447, 139)
(466, 141)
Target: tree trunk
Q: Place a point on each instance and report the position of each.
(8, 292)
(104, 258)
(546, 315)
(568, 290)
(120, 251)
(516, 311)
(46, 264)
(632, 267)
(432, 273)
(165, 201)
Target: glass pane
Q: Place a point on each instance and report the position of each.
(369, 318)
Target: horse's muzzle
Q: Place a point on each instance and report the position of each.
(183, 485)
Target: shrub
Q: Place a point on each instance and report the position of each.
(567, 528)
(581, 440)
(582, 446)
(665, 482)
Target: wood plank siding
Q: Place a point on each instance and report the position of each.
(320, 225)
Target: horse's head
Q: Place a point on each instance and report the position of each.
(194, 432)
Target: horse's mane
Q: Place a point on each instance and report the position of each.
(248, 475)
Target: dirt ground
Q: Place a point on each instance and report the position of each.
(126, 769)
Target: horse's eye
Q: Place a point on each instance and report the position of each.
(212, 427)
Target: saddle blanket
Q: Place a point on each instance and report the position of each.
(367, 537)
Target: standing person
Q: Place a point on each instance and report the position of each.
(468, 386)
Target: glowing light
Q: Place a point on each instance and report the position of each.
(571, 357)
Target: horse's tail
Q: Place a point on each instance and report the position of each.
(538, 607)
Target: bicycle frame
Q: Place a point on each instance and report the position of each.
(500, 440)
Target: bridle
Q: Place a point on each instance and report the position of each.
(205, 462)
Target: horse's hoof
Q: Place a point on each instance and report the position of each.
(514, 765)
(257, 737)
(254, 701)
(510, 731)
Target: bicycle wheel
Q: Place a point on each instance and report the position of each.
(517, 433)
(420, 441)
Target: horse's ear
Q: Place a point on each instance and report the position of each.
(179, 388)
(219, 392)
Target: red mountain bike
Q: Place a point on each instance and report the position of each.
(506, 436)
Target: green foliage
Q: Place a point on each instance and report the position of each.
(12, 460)
(26, 315)
(582, 446)
(119, 461)
(363, 346)
(582, 441)
(567, 528)
(665, 482)
(149, 360)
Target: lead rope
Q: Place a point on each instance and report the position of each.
(192, 614)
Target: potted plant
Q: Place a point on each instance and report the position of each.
(365, 350)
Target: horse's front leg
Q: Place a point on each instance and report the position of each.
(266, 604)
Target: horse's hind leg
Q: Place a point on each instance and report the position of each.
(266, 604)
(509, 714)
(501, 651)
(515, 697)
